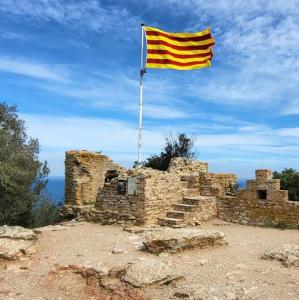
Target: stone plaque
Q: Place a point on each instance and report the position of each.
(132, 186)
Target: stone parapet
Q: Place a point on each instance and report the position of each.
(85, 174)
(262, 175)
(187, 166)
(212, 184)
(261, 203)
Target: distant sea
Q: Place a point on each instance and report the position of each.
(55, 188)
(242, 182)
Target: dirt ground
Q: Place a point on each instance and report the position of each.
(235, 271)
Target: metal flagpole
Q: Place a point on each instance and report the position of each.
(142, 72)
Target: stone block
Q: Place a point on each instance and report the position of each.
(173, 240)
(263, 175)
(148, 272)
(287, 254)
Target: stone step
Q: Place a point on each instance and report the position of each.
(191, 201)
(184, 207)
(196, 200)
(171, 222)
(176, 214)
(189, 193)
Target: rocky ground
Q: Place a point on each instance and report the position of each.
(90, 261)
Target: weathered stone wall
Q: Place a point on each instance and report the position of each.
(182, 165)
(123, 207)
(261, 203)
(206, 210)
(162, 190)
(85, 174)
(212, 184)
(139, 196)
(155, 193)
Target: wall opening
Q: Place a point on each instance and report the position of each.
(121, 187)
(110, 174)
(261, 194)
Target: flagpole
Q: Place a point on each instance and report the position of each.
(142, 72)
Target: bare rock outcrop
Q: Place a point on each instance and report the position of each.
(138, 274)
(148, 272)
(16, 241)
(173, 240)
(102, 281)
(287, 254)
(17, 232)
(50, 228)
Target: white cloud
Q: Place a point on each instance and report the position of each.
(118, 91)
(256, 54)
(289, 132)
(291, 107)
(33, 69)
(88, 14)
(164, 112)
(119, 140)
(9, 35)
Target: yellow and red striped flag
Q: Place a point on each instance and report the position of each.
(180, 51)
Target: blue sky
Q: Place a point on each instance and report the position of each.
(72, 68)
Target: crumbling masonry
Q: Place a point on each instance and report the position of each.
(261, 203)
(99, 190)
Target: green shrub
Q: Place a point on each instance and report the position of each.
(289, 180)
(45, 213)
(23, 177)
(181, 146)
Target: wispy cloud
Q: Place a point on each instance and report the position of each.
(58, 134)
(88, 14)
(256, 57)
(289, 132)
(164, 112)
(291, 107)
(33, 69)
(10, 35)
(114, 137)
(119, 91)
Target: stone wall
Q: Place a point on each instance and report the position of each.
(123, 206)
(162, 190)
(182, 165)
(155, 192)
(139, 196)
(212, 184)
(85, 174)
(206, 210)
(261, 203)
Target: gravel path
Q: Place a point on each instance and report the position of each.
(235, 271)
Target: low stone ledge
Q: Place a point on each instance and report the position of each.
(89, 213)
(149, 272)
(287, 254)
(174, 240)
(16, 241)
(50, 228)
(17, 232)
(138, 274)
(141, 229)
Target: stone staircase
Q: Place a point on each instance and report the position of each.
(192, 211)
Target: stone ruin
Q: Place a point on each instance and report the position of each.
(261, 203)
(99, 190)
(85, 173)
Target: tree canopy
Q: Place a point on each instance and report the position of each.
(179, 146)
(289, 180)
(22, 175)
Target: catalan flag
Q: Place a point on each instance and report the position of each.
(180, 51)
